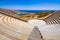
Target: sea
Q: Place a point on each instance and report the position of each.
(36, 11)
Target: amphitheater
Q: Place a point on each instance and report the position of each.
(13, 28)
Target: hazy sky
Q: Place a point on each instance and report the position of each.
(30, 4)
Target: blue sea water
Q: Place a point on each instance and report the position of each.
(36, 11)
(20, 14)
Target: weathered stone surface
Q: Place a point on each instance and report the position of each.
(35, 34)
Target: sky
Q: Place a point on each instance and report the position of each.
(30, 4)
